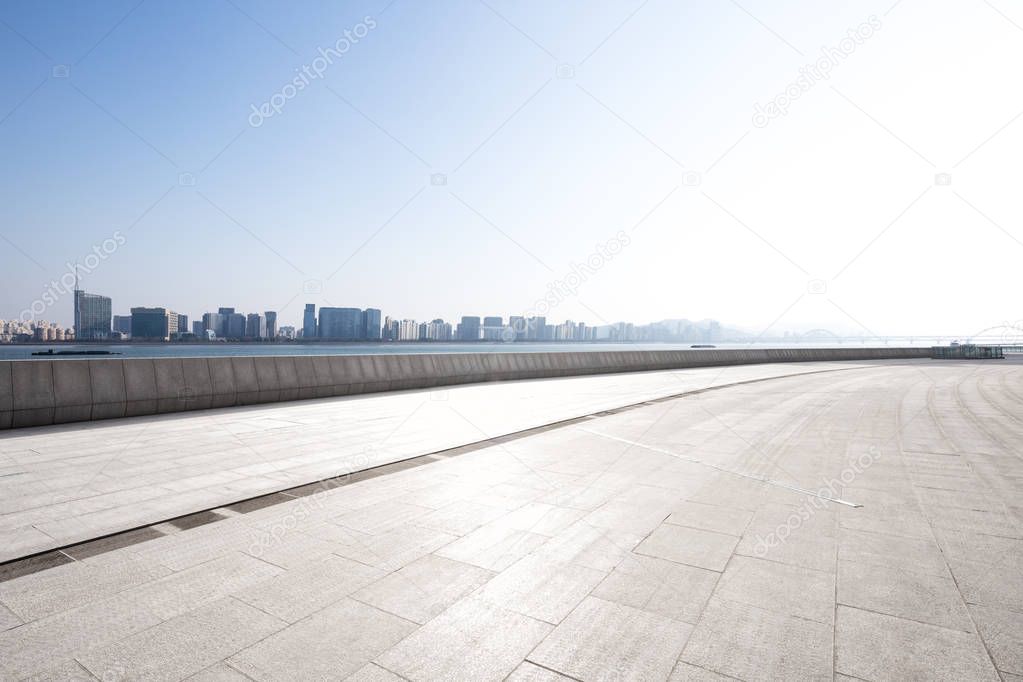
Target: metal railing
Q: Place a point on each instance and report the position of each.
(967, 351)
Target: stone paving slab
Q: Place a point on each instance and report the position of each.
(565, 555)
(602, 639)
(874, 646)
(333, 642)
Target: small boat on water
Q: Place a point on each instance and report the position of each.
(75, 352)
(703, 345)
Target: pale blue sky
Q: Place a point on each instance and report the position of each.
(331, 201)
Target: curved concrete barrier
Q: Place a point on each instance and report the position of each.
(40, 392)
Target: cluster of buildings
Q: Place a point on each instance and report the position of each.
(353, 324)
(487, 329)
(341, 324)
(15, 331)
(162, 324)
(94, 322)
(226, 323)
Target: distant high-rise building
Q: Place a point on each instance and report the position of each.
(469, 329)
(271, 324)
(390, 329)
(493, 327)
(182, 324)
(623, 331)
(286, 332)
(519, 327)
(309, 321)
(213, 322)
(233, 324)
(198, 329)
(341, 324)
(565, 331)
(536, 329)
(438, 330)
(254, 326)
(153, 324)
(92, 316)
(408, 331)
(371, 324)
(122, 324)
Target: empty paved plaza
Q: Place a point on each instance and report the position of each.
(810, 521)
(69, 483)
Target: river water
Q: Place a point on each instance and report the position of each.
(195, 350)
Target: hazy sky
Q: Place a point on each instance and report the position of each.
(460, 156)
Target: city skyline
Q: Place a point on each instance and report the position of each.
(53, 296)
(228, 324)
(94, 321)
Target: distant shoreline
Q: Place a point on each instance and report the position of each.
(314, 342)
(128, 350)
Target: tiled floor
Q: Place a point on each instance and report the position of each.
(571, 555)
(64, 484)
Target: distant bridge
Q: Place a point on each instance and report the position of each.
(1005, 339)
(819, 333)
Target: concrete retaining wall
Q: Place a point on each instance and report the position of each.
(40, 392)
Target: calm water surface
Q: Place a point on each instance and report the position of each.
(194, 350)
